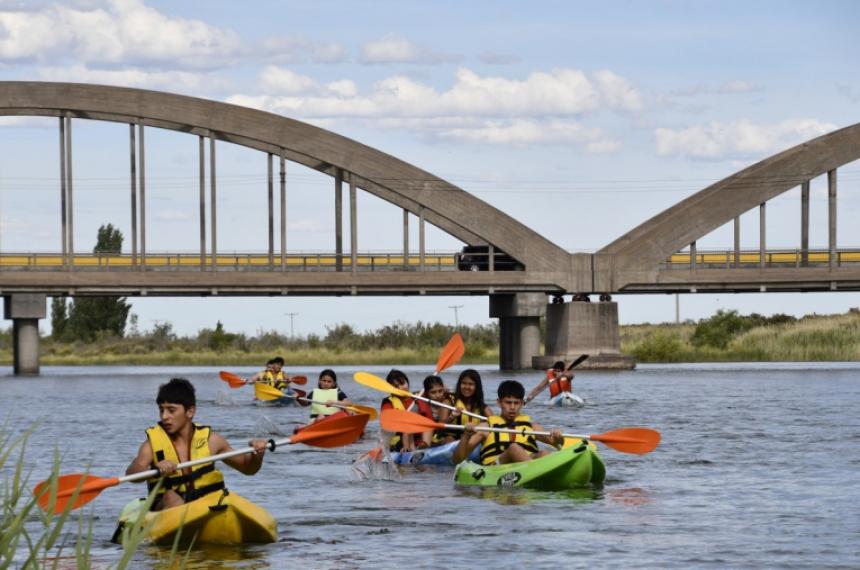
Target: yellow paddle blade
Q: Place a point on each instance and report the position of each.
(266, 392)
(359, 409)
(377, 383)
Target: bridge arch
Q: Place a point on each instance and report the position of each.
(636, 256)
(439, 202)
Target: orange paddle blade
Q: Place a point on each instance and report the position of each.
(90, 486)
(300, 393)
(630, 440)
(402, 421)
(332, 433)
(451, 354)
(300, 380)
(233, 380)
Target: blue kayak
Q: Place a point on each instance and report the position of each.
(439, 455)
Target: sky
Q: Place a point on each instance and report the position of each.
(581, 120)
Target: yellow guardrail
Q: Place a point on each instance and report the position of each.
(237, 260)
(779, 257)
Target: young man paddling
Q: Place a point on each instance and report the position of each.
(500, 448)
(273, 375)
(176, 439)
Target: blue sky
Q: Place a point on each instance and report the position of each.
(579, 119)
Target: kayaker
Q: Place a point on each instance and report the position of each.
(434, 389)
(557, 379)
(273, 375)
(501, 448)
(469, 396)
(176, 439)
(402, 442)
(326, 391)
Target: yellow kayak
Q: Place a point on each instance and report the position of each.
(217, 518)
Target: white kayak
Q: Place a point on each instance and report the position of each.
(567, 399)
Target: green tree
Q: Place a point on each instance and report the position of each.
(90, 317)
(59, 318)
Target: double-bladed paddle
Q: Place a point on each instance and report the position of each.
(638, 440)
(236, 381)
(268, 393)
(54, 495)
(377, 383)
(450, 355)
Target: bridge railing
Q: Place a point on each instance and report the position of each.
(728, 258)
(435, 261)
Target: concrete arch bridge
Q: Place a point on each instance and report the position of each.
(516, 266)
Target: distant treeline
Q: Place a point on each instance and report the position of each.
(395, 343)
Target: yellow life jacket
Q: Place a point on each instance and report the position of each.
(463, 419)
(321, 395)
(202, 480)
(275, 380)
(496, 443)
(395, 443)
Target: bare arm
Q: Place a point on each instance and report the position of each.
(537, 390)
(143, 461)
(468, 442)
(247, 463)
(554, 439)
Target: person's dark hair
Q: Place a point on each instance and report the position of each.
(329, 372)
(270, 362)
(278, 360)
(511, 388)
(432, 381)
(477, 400)
(396, 375)
(558, 366)
(177, 391)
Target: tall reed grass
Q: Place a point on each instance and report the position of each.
(34, 539)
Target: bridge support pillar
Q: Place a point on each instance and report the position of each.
(577, 328)
(519, 327)
(25, 310)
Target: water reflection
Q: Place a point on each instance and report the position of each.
(633, 496)
(520, 496)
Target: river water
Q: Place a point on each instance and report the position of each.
(759, 467)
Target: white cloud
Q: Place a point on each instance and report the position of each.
(539, 108)
(38, 122)
(294, 49)
(119, 32)
(522, 132)
(737, 139)
(737, 86)
(394, 49)
(280, 80)
(173, 81)
(618, 92)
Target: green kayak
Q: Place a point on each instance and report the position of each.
(578, 465)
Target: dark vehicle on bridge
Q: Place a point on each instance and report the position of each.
(477, 258)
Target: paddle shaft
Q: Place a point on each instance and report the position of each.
(517, 431)
(210, 459)
(453, 408)
(335, 405)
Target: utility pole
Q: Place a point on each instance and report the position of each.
(677, 309)
(291, 315)
(456, 319)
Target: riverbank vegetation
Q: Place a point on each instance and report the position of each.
(725, 337)
(730, 337)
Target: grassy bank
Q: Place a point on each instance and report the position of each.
(88, 356)
(811, 338)
(724, 337)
